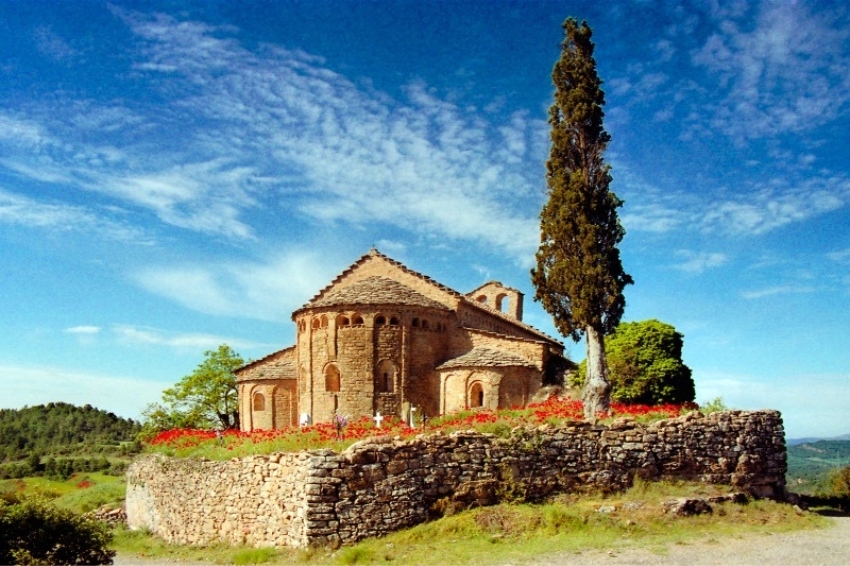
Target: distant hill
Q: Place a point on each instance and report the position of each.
(811, 439)
(61, 429)
(811, 463)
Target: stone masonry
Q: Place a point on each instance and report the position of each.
(384, 338)
(382, 485)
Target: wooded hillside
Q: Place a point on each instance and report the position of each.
(61, 429)
(811, 463)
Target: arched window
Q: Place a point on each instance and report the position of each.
(259, 402)
(425, 324)
(502, 303)
(385, 376)
(415, 323)
(357, 320)
(380, 320)
(316, 323)
(476, 395)
(332, 378)
(393, 321)
(342, 320)
(324, 321)
(481, 299)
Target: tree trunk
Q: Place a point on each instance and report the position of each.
(597, 389)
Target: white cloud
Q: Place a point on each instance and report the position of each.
(36, 385)
(754, 209)
(841, 256)
(266, 291)
(699, 262)
(84, 330)
(274, 125)
(24, 211)
(777, 290)
(189, 341)
(811, 404)
(787, 73)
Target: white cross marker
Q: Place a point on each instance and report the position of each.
(378, 418)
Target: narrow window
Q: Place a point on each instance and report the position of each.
(316, 323)
(259, 402)
(357, 320)
(332, 378)
(385, 376)
(476, 395)
(380, 320)
(394, 321)
(415, 323)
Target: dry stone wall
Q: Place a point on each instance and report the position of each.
(381, 485)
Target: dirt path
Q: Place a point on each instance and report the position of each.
(830, 546)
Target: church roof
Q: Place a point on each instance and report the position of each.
(486, 357)
(282, 364)
(330, 289)
(374, 290)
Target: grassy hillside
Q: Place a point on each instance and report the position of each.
(811, 463)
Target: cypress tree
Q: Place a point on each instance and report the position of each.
(579, 278)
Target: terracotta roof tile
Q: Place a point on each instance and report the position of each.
(486, 357)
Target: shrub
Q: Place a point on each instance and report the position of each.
(34, 531)
(840, 480)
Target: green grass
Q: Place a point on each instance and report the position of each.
(80, 493)
(520, 533)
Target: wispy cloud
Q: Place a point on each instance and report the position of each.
(83, 330)
(778, 290)
(51, 44)
(24, 211)
(841, 256)
(811, 404)
(278, 124)
(698, 262)
(754, 209)
(146, 336)
(36, 385)
(266, 291)
(787, 73)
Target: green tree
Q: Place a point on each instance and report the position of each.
(645, 364)
(35, 532)
(205, 398)
(579, 278)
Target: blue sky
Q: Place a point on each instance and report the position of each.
(176, 175)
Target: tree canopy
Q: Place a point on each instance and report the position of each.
(61, 428)
(205, 398)
(579, 277)
(645, 364)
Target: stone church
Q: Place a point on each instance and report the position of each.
(382, 337)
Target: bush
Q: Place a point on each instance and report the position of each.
(840, 481)
(645, 365)
(35, 532)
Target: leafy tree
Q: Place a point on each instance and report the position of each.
(205, 398)
(579, 277)
(645, 364)
(35, 532)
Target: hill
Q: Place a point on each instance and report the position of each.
(811, 463)
(61, 429)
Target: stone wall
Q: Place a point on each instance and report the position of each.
(381, 485)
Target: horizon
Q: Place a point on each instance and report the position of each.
(175, 175)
